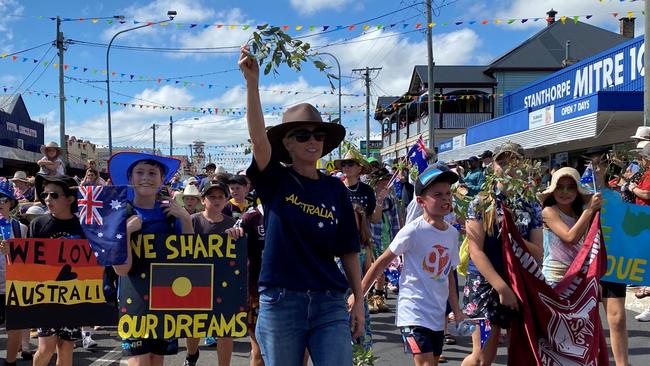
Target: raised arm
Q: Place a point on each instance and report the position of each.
(254, 116)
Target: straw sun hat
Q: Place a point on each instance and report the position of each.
(561, 173)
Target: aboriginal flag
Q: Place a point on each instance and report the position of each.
(181, 286)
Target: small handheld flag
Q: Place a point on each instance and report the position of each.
(102, 213)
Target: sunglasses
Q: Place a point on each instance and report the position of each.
(348, 164)
(45, 195)
(305, 135)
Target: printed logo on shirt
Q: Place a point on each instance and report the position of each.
(438, 262)
(319, 211)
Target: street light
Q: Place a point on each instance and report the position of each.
(171, 14)
(339, 67)
(171, 141)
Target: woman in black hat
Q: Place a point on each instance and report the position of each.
(309, 220)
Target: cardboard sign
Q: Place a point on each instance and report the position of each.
(626, 229)
(53, 283)
(185, 286)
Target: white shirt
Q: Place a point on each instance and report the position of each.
(429, 255)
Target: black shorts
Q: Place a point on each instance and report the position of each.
(419, 340)
(160, 347)
(71, 334)
(613, 290)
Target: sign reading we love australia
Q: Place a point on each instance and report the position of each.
(53, 283)
(184, 286)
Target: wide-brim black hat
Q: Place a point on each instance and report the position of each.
(68, 184)
(303, 115)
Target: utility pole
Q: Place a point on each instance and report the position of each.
(61, 47)
(366, 75)
(646, 61)
(430, 104)
(170, 136)
(153, 127)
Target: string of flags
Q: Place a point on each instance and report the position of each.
(170, 80)
(351, 27)
(226, 111)
(438, 98)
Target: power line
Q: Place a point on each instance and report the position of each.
(28, 49)
(17, 90)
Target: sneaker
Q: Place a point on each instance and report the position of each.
(372, 306)
(644, 316)
(210, 341)
(191, 360)
(88, 342)
(380, 302)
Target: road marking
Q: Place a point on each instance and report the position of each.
(110, 358)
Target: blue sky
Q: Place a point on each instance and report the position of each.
(396, 50)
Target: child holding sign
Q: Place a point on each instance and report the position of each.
(146, 174)
(59, 194)
(214, 196)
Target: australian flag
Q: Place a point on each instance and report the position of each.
(587, 178)
(102, 213)
(418, 155)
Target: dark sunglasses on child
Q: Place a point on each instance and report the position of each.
(44, 195)
(305, 135)
(348, 163)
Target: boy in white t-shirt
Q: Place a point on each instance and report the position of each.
(429, 247)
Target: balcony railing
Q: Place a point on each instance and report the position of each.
(463, 120)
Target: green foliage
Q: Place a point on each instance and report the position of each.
(271, 47)
(361, 357)
(517, 181)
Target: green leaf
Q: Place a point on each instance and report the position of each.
(263, 26)
(320, 65)
(268, 67)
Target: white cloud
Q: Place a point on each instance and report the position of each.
(601, 11)
(308, 7)
(10, 9)
(397, 55)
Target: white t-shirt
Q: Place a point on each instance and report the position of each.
(429, 255)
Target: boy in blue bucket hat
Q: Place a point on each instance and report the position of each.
(146, 176)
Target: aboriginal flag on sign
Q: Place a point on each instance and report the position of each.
(181, 286)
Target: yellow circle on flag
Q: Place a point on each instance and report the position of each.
(181, 286)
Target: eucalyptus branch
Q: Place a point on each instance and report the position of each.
(271, 47)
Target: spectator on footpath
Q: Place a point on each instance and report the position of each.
(92, 164)
(51, 163)
(425, 285)
(486, 161)
(475, 178)
(11, 228)
(92, 178)
(309, 221)
(23, 187)
(146, 174)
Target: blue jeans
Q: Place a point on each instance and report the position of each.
(291, 321)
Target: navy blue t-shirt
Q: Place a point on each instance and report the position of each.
(308, 222)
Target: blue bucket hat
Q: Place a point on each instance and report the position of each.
(7, 190)
(434, 173)
(120, 165)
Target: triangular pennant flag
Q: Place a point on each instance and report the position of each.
(510, 21)
(325, 27)
(575, 18)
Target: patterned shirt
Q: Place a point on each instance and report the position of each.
(527, 216)
(389, 224)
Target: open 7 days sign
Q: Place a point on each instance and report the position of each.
(620, 68)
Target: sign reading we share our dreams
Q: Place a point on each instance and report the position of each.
(618, 69)
(184, 286)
